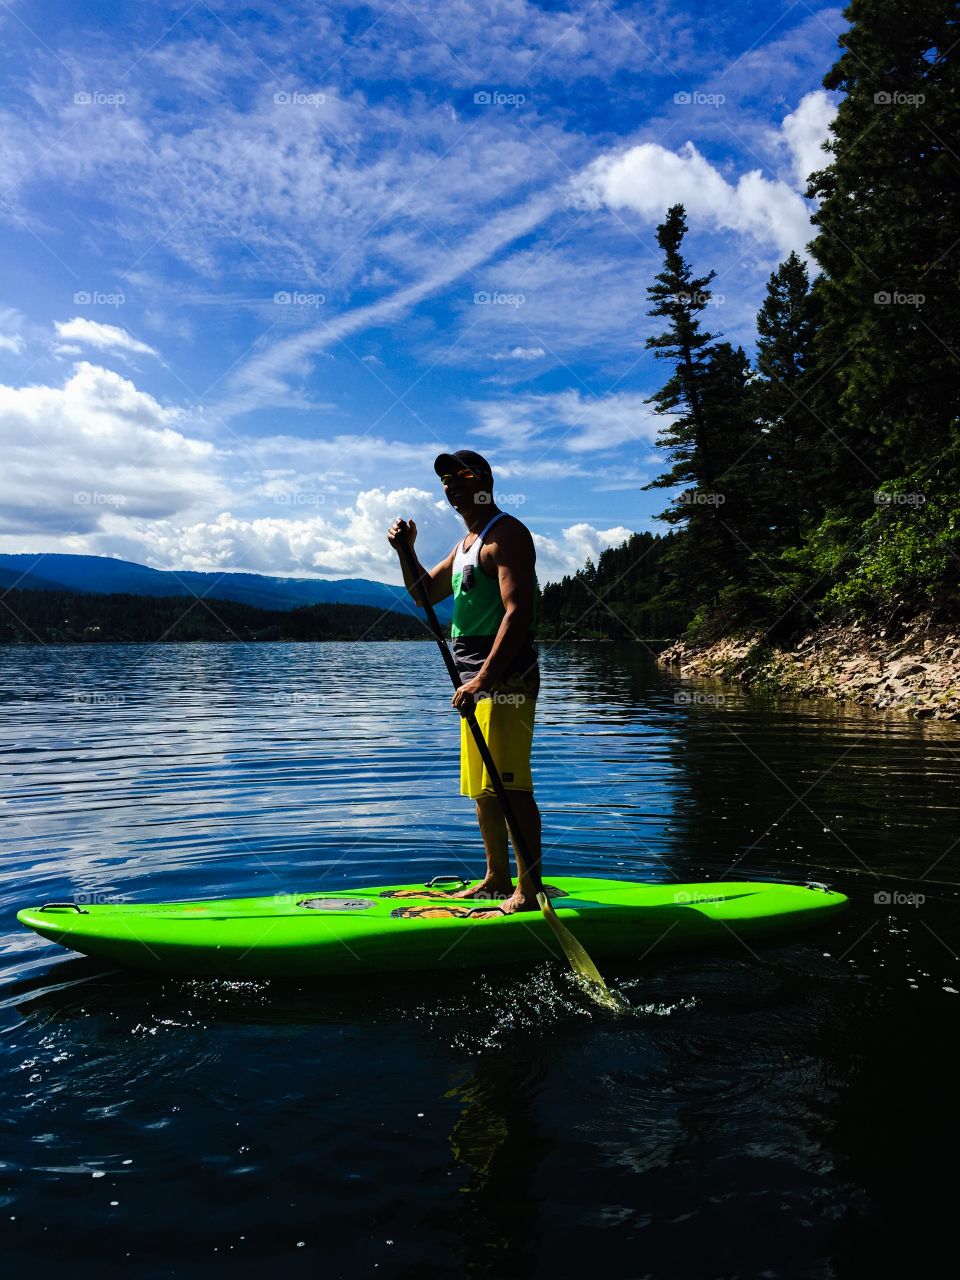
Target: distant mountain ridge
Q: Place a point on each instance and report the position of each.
(102, 575)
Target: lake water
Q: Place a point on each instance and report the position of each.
(778, 1112)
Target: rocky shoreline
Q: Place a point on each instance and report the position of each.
(913, 668)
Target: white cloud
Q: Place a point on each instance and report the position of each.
(79, 457)
(648, 179)
(520, 353)
(559, 556)
(803, 132)
(104, 336)
(349, 541)
(11, 342)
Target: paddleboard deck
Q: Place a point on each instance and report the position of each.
(411, 927)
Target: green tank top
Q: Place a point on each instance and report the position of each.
(478, 611)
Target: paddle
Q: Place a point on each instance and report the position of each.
(580, 962)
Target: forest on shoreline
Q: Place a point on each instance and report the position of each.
(821, 482)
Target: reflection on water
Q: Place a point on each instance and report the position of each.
(773, 1112)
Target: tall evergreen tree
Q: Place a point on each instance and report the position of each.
(678, 297)
(888, 345)
(708, 434)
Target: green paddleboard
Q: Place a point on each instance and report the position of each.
(374, 930)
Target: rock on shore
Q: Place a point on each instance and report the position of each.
(913, 668)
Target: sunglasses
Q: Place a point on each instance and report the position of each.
(465, 474)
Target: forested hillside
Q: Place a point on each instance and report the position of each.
(56, 617)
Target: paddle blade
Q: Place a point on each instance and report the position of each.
(580, 961)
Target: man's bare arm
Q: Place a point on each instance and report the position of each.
(440, 577)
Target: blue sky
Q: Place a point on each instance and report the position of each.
(262, 263)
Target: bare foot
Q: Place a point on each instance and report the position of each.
(485, 889)
(519, 902)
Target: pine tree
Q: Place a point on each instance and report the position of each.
(709, 436)
(791, 431)
(679, 297)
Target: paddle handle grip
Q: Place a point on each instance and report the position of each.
(521, 849)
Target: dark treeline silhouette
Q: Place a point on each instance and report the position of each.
(823, 480)
(56, 617)
(615, 599)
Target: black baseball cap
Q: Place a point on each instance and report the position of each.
(462, 458)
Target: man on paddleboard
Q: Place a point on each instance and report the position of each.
(491, 575)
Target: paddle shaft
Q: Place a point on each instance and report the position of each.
(524, 861)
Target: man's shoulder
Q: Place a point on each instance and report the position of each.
(509, 534)
(509, 527)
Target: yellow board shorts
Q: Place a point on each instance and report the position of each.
(506, 719)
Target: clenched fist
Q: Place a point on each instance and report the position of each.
(402, 531)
